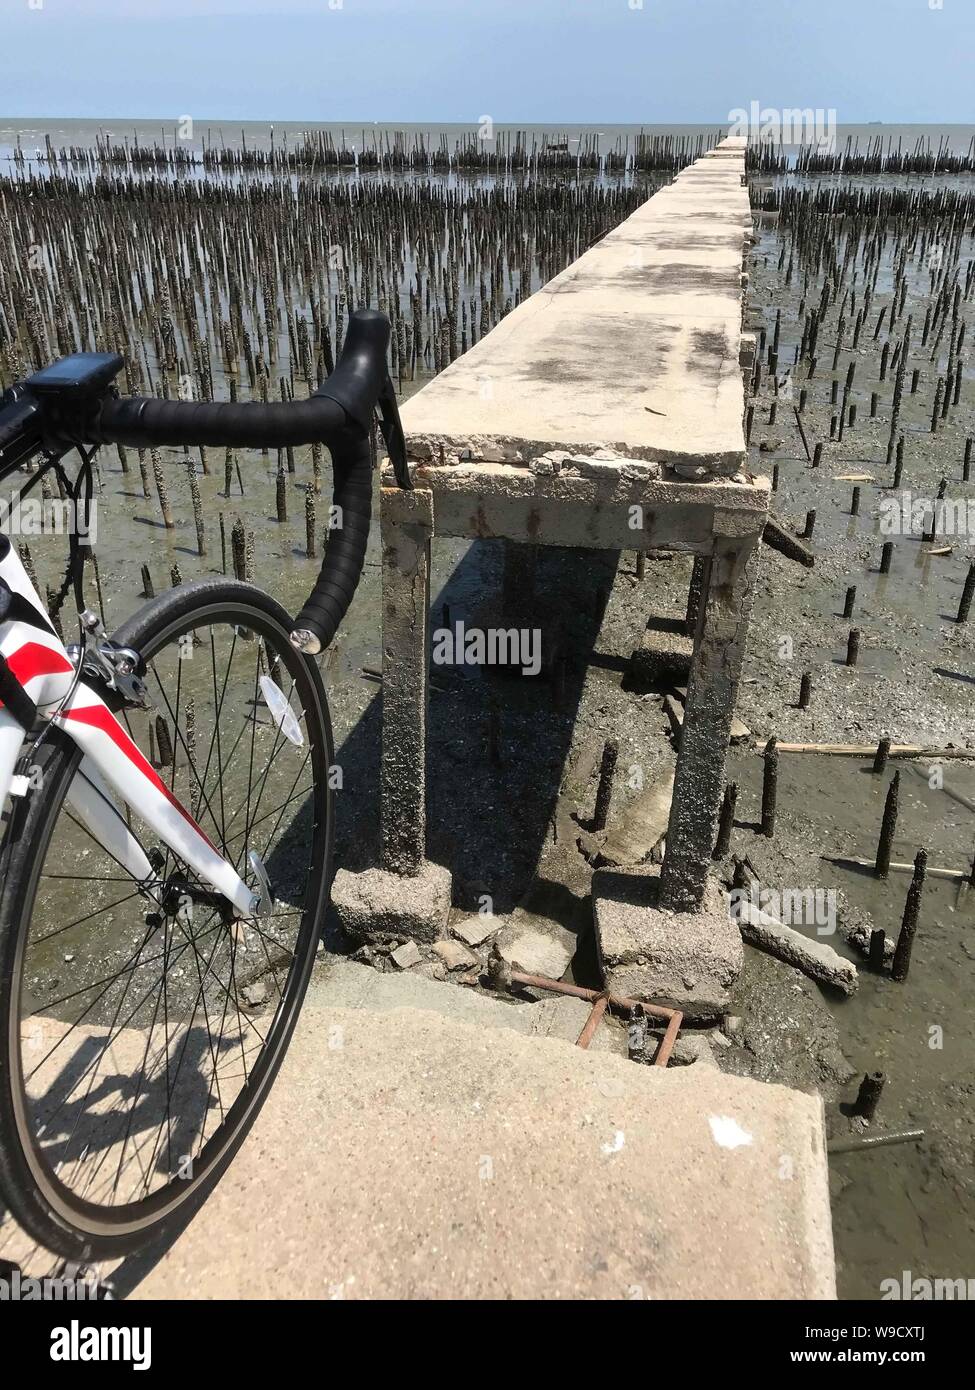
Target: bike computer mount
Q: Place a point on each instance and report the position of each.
(79, 376)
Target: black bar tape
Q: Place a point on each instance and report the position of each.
(142, 423)
(339, 415)
(345, 550)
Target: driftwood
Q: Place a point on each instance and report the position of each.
(955, 875)
(867, 750)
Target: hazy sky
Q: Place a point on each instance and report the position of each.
(515, 60)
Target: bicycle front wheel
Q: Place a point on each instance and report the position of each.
(140, 1030)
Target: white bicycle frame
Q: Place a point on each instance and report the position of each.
(112, 763)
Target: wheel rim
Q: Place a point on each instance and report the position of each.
(148, 1028)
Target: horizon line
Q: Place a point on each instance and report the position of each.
(397, 120)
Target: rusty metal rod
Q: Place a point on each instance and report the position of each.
(667, 1041)
(592, 1022)
(518, 977)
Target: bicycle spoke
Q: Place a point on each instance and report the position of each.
(149, 1044)
(189, 756)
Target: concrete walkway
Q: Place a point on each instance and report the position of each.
(406, 1153)
(635, 345)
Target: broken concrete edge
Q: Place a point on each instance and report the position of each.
(607, 484)
(570, 455)
(339, 982)
(406, 506)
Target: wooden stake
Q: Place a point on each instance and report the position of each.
(770, 776)
(887, 828)
(912, 907)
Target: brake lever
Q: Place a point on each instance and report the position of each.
(393, 436)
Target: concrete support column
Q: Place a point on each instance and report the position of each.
(518, 582)
(712, 691)
(699, 575)
(405, 895)
(407, 529)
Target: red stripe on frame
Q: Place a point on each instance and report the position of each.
(33, 659)
(101, 718)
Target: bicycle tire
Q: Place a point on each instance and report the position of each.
(29, 1186)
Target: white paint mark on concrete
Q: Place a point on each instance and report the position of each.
(728, 1132)
(619, 1140)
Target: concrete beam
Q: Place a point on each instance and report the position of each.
(591, 511)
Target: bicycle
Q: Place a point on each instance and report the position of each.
(159, 920)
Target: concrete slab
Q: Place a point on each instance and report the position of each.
(638, 827)
(417, 1158)
(636, 345)
(688, 960)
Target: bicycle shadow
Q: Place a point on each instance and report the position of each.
(150, 1131)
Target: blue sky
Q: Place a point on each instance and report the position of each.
(580, 61)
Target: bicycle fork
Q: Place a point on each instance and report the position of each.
(112, 762)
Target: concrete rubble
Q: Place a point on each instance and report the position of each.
(536, 947)
(817, 959)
